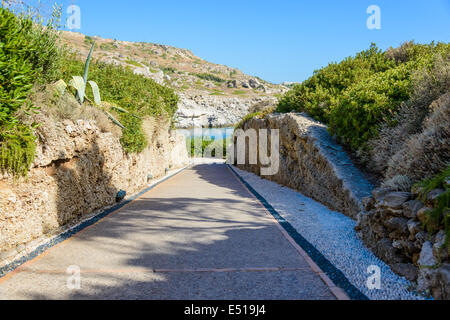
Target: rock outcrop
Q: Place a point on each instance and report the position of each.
(79, 169)
(214, 111)
(391, 226)
(311, 162)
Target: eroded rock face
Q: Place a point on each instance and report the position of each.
(79, 169)
(311, 162)
(214, 111)
(440, 283)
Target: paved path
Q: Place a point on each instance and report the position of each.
(198, 235)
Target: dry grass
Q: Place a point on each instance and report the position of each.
(425, 154)
(396, 143)
(398, 183)
(261, 106)
(400, 54)
(67, 108)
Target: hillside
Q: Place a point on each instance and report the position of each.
(210, 94)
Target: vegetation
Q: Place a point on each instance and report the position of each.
(364, 95)
(208, 77)
(207, 145)
(259, 113)
(32, 58)
(168, 70)
(88, 40)
(80, 84)
(138, 95)
(29, 55)
(134, 63)
(439, 218)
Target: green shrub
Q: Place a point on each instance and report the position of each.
(439, 218)
(359, 95)
(134, 63)
(205, 142)
(135, 93)
(208, 77)
(133, 137)
(17, 148)
(320, 93)
(29, 54)
(364, 106)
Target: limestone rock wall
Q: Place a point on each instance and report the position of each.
(391, 226)
(214, 111)
(79, 169)
(311, 162)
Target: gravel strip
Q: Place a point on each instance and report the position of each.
(332, 233)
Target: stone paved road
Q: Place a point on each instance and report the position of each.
(198, 235)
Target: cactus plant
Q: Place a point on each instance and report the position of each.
(79, 84)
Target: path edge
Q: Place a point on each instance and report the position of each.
(71, 231)
(335, 280)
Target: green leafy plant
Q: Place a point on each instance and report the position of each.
(29, 54)
(439, 217)
(131, 97)
(358, 95)
(199, 145)
(209, 77)
(79, 84)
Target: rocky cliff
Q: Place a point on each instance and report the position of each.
(215, 111)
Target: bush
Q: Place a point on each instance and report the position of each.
(374, 103)
(206, 142)
(426, 153)
(208, 77)
(320, 93)
(439, 217)
(29, 54)
(429, 84)
(135, 93)
(17, 148)
(364, 106)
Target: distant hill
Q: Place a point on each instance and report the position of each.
(174, 67)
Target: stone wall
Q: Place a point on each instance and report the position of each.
(79, 169)
(389, 222)
(311, 162)
(391, 226)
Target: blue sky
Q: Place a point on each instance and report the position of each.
(283, 40)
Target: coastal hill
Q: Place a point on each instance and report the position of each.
(211, 95)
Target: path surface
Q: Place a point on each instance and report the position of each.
(198, 235)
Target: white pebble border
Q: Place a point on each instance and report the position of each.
(333, 234)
